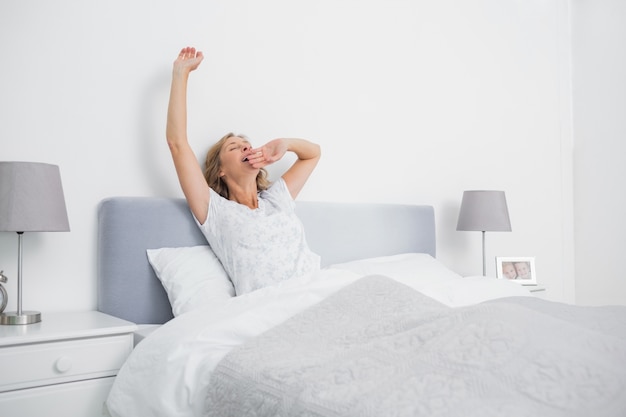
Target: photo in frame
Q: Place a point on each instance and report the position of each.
(519, 269)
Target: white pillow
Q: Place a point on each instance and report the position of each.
(417, 270)
(192, 276)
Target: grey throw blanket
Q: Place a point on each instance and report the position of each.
(378, 348)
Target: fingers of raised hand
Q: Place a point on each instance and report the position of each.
(189, 53)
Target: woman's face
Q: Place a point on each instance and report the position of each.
(233, 157)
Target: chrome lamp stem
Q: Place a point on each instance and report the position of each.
(20, 316)
(484, 259)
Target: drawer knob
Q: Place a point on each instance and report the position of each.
(63, 364)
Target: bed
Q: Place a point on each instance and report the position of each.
(383, 329)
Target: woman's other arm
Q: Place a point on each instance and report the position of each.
(295, 177)
(188, 169)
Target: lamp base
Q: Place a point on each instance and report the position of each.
(27, 317)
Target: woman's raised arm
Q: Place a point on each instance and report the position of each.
(188, 169)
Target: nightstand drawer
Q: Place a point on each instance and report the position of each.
(74, 399)
(56, 362)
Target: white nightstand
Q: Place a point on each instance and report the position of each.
(63, 366)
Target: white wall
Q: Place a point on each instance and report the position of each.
(412, 102)
(599, 61)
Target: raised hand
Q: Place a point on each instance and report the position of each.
(188, 60)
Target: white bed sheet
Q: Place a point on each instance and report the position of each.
(168, 373)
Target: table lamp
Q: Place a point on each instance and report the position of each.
(484, 211)
(31, 200)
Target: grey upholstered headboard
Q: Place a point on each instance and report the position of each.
(338, 232)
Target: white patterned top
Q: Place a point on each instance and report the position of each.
(259, 247)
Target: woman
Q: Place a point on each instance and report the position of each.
(251, 227)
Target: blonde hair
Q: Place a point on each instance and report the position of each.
(213, 166)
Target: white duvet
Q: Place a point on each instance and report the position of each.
(168, 373)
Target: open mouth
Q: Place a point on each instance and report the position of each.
(246, 158)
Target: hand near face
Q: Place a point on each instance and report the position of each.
(269, 153)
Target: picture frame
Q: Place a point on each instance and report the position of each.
(518, 269)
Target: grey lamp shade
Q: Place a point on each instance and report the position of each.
(31, 198)
(484, 211)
